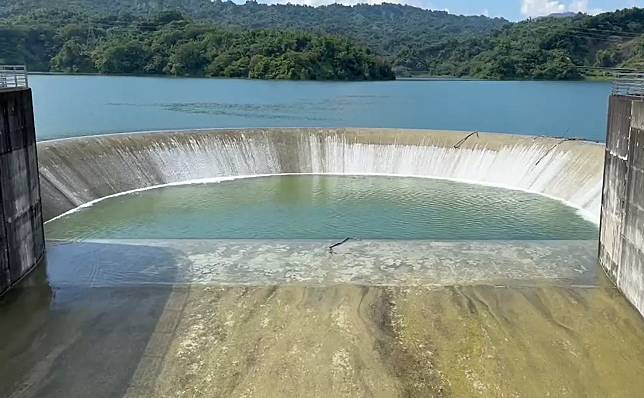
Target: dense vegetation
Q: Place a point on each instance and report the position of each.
(172, 44)
(544, 48)
(412, 40)
(386, 28)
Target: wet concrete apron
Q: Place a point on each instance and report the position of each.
(525, 337)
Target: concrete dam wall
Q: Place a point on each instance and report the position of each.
(621, 250)
(21, 234)
(78, 171)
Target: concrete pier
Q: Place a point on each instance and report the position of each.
(21, 235)
(621, 251)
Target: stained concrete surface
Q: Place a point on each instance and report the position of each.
(621, 250)
(521, 339)
(22, 242)
(359, 341)
(254, 262)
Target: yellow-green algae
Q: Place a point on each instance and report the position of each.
(347, 340)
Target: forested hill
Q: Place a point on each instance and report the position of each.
(386, 29)
(410, 40)
(553, 48)
(169, 43)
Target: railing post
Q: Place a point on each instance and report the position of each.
(629, 84)
(13, 76)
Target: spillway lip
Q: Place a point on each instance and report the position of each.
(318, 129)
(215, 180)
(569, 171)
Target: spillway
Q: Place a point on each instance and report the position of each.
(78, 171)
(175, 316)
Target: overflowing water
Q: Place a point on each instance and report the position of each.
(129, 300)
(77, 172)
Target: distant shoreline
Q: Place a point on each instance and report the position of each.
(405, 78)
(35, 73)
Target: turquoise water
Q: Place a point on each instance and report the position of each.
(326, 207)
(83, 105)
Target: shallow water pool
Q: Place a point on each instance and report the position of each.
(326, 207)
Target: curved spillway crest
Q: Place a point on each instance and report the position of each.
(394, 316)
(165, 242)
(78, 171)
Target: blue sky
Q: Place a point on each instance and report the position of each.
(509, 9)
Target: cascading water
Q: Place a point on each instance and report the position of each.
(184, 313)
(83, 171)
(78, 171)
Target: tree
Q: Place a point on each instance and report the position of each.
(72, 57)
(188, 59)
(127, 56)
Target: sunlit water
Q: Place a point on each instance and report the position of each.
(325, 207)
(83, 105)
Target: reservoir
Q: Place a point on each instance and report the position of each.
(84, 105)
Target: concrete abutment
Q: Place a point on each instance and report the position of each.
(621, 251)
(22, 242)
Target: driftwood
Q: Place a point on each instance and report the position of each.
(338, 244)
(462, 141)
(553, 148)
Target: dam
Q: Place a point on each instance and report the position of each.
(22, 243)
(471, 268)
(494, 262)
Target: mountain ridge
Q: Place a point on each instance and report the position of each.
(413, 40)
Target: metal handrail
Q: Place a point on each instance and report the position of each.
(13, 76)
(629, 83)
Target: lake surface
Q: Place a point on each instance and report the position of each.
(326, 207)
(68, 106)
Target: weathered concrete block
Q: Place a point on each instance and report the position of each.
(22, 244)
(621, 249)
(5, 279)
(619, 124)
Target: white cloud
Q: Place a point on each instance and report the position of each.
(582, 6)
(537, 8)
(316, 3)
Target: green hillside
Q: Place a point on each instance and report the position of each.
(172, 44)
(544, 48)
(386, 29)
(411, 41)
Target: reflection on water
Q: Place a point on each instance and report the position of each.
(326, 207)
(81, 105)
(74, 341)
